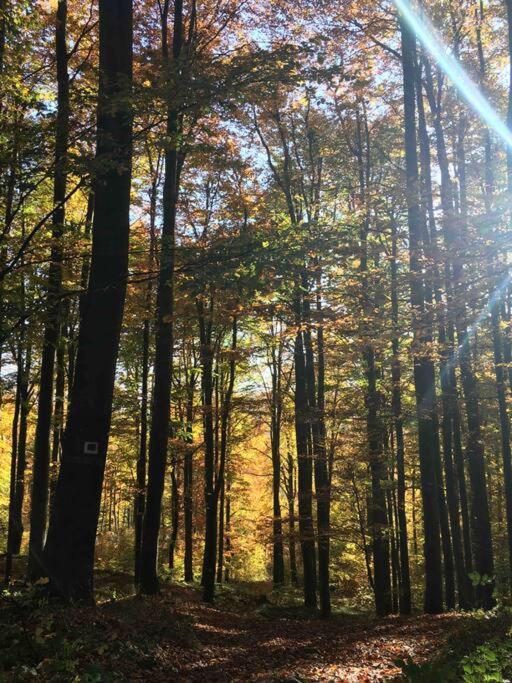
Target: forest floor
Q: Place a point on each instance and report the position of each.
(176, 637)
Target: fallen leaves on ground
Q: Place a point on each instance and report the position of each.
(176, 637)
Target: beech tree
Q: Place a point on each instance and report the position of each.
(69, 550)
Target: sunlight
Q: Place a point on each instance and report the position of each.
(426, 34)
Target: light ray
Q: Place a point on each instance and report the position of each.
(427, 36)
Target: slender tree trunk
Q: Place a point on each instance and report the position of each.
(395, 574)
(497, 341)
(317, 431)
(224, 424)
(41, 466)
(304, 467)
(141, 470)
(227, 573)
(72, 532)
(58, 413)
(140, 493)
(424, 377)
(276, 401)
(210, 537)
(294, 574)
(405, 604)
(175, 513)
(188, 484)
(480, 518)
(456, 411)
(13, 468)
(160, 409)
(21, 464)
(377, 514)
(448, 513)
(363, 531)
(220, 559)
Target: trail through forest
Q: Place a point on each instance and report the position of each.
(239, 646)
(245, 637)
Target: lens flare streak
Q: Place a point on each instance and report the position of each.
(426, 34)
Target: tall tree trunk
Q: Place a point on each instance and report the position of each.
(58, 412)
(175, 512)
(41, 466)
(276, 406)
(322, 478)
(72, 532)
(225, 414)
(210, 535)
(448, 512)
(497, 341)
(141, 470)
(140, 493)
(317, 427)
(377, 514)
(290, 489)
(424, 377)
(227, 571)
(222, 506)
(21, 463)
(453, 235)
(13, 468)
(161, 405)
(188, 484)
(304, 466)
(456, 411)
(405, 604)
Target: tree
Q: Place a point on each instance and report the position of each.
(69, 550)
(41, 474)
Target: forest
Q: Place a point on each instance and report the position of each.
(256, 340)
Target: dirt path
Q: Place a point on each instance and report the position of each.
(249, 647)
(176, 637)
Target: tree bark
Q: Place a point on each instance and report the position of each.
(304, 466)
(188, 484)
(405, 604)
(276, 408)
(424, 377)
(14, 460)
(210, 534)
(41, 466)
(290, 490)
(21, 461)
(161, 404)
(69, 551)
(453, 235)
